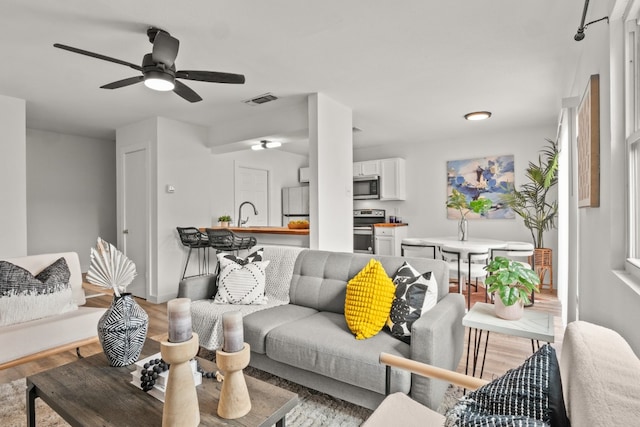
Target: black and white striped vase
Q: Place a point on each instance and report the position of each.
(122, 330)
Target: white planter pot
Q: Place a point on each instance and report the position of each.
(508, 312)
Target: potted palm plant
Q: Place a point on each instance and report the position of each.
(512, 283)
(531, 201)
(458, 201)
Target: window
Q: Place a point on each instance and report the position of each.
(632, 136)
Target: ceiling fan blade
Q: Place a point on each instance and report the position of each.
(123, 83)
(97, 55)
(186, 92)
(210, 76)
(165, 48)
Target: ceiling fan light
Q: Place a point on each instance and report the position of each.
(257, 147)
(157, 80)
(478, 115)
(272, 144)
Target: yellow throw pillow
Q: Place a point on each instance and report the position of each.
(368, 302)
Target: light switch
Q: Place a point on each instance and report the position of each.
(171, 189)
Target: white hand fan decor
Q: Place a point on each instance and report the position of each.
(110, 268)
(123, 327)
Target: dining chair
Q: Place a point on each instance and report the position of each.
(416, 244)
(467, 266)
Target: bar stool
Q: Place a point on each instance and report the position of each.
(193, 238)
(225, 240)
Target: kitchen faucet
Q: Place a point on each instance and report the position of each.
(241, 221)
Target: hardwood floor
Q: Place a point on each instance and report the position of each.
(504, 352)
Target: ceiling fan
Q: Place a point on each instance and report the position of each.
(159, 70)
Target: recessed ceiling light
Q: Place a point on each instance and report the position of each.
(478, 115)
(266, 144)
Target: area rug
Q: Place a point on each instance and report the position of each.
(314, 410)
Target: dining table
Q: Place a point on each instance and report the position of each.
(464, 247)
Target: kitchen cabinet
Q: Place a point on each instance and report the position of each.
(304, 174)
(295, 201)
(371, 167)
(387, 240)
(393, 179)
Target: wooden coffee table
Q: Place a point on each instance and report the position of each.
(89, 392)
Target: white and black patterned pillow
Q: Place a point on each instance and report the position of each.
(24, 297)
(241, 281)
(530, 395)
(415, 295)
(254, 256)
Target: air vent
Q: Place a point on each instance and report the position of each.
(261, 99)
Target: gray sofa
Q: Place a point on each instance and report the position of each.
(306, 339)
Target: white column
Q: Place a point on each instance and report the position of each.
(331, 170)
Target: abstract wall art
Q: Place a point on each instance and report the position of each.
(589, 145)
(488, 177)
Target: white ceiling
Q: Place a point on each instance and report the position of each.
(409, 70)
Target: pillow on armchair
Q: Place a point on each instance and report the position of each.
(529, 395)
(25, 297)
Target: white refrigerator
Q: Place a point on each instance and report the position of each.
(295, 204)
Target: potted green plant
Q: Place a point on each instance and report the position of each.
(458, 201)
(224, 220)
(532, 204)
(512, 283)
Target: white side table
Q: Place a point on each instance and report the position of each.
(534, 325)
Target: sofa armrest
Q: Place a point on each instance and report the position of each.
(437, 338)
(198, 287)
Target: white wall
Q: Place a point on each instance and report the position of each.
(425, 207)
(603, 297)
(13, 175)
(283, 172)
(71, 193)
(182, 161)
(178, 156)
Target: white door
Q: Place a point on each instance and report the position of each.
(251, 186)
(134, 217)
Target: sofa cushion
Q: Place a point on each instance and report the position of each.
(368, 301)
(257, 325)
(24, 297)
(241, 281)
(320, 277)
(529, 395)
(322, 343)
(415, 295)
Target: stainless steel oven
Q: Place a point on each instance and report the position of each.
(363, 229)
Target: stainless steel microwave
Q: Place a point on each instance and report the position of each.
(366, 187)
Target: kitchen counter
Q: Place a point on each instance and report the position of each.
(268, 235)
(266, 229)
(391, 224)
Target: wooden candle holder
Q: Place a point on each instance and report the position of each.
(234, 396)
(180, 399)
